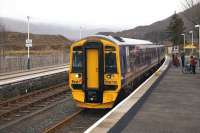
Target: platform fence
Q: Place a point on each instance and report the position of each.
(12, 63)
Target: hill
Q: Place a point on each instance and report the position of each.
(155, 32)
(71, 32)
(16, 41)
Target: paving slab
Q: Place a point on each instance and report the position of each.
(172, 107)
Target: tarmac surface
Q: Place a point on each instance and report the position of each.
(172, 107)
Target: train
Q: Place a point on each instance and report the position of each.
(101, 68)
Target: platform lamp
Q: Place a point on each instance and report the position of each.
(28, 42)
(198, 26)
(191, 32)
(28, 18)
(183, 42)
(80, 32)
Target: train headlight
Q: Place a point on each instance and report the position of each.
(108, 76)
(78, 75)
(92, 99)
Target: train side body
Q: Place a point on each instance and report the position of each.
(100, 66)
(137, 59)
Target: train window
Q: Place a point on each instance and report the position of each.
(77, 63)
(110, 60)
(118, 38)
(124, 63)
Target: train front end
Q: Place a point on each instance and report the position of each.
(95, 76)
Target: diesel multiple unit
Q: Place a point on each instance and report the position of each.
(102, 66)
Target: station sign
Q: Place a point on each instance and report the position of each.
(28, 43)
(175, 49)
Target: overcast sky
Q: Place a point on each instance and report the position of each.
(122, 14)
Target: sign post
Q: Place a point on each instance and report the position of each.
(28, 45)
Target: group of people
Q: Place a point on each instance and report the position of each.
(190, 66)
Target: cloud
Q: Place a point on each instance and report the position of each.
(94, 13)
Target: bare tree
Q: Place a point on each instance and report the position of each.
(193, 11)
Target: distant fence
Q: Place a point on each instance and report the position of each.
(19, 63)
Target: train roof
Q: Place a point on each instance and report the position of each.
(124, 41)
(150, 46)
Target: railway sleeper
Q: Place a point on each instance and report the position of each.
(30, 94)
(22, 106)
(24, 111)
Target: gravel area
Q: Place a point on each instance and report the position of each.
(40, 122)
(83, 121)
(20, 88)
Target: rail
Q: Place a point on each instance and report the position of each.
(32, 69)
(10, 109)
(18, 77)
(59, 125)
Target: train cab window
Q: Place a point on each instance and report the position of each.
(77, 60)
(110, 60)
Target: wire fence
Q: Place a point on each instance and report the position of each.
(19, 63)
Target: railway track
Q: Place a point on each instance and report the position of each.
(78, 121)
(32, 70)
(17, 107)
(62, 123)
(82, 119)
(20, 76)
(21, 106)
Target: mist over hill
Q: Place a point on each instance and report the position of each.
(73, 33)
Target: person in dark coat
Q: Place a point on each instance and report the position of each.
(176, 61)
(183, 59)
(173, 59)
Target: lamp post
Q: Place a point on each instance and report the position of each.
(198, 26)
(191, 32)
(183, 42)
(28, 44)
(28, 17)
(80, 32)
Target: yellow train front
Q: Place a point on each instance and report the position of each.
(97, 72)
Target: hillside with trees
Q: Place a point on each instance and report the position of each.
(175, 29)
(157, 32)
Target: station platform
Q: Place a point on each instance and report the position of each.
(173, 106)
(169, 105)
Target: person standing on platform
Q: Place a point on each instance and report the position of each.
(176, 61)
(183, 60)
(193, 63)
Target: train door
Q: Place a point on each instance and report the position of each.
(93, 72)
(92, 68)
